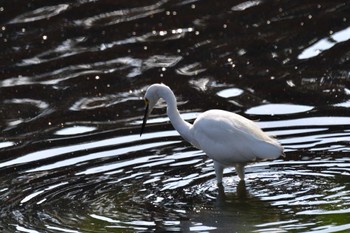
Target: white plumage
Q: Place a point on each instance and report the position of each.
(227, 138)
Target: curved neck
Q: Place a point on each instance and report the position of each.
(178, 123)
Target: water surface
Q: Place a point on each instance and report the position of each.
(73, 74)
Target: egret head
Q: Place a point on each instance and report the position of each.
(151, 98)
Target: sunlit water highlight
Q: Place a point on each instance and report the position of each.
(72, 80)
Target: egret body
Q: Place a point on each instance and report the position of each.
(227, 138)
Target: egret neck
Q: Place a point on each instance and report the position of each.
(183, 127)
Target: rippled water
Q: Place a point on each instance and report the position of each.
(73, 75)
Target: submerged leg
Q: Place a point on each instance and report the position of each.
(241, 189)
(240, 170)
(219, 170)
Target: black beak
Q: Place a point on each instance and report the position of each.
(144, 119)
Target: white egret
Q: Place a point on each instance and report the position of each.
(227, 138)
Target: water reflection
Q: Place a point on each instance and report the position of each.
(326, 44)
(245, 5)
(278, 109)
(40, 14)
(75, 130)
(72, 78)
(231, 92)
(6, 144)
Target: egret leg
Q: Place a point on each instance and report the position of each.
(241, 189)
(219, 170)
(240, 170)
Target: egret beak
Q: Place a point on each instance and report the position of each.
(144, 118)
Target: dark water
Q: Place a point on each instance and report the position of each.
(72, 76)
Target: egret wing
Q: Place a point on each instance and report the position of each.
(230, 138)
